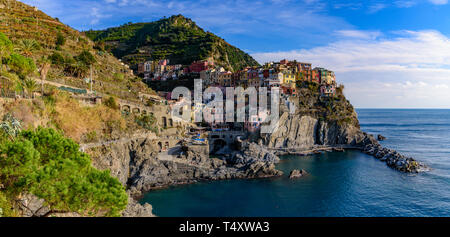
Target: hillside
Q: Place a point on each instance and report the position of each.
(176, 38)
(69, 52)
(42, 130)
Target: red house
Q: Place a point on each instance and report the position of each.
(288, 91)
(199, 66)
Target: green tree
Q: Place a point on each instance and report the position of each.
(30, 86)
(60, 39)
(86, 58)
(77, 68)
(27, 47)
(57, 59)
(50, 166)
(6, 48)
(21, 65)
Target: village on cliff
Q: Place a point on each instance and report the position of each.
(284, 74)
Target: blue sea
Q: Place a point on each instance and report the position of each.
(340, 184)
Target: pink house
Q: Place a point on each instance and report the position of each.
(328, 90)
(199, 66)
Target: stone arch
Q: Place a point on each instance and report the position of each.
(218, 144)
(170, 122)
(126, 108)
(136, 110)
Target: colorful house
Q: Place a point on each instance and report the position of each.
(274, 80)
(199, 66)
(326, 77)
(287, 90)
(328, 90)
(288, 77)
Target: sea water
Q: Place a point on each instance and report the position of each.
(339, 184)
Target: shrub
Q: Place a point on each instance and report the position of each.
(119, 76)
(27, 47)
(21, 65)
(57, 59)
(76, 120)
(111, 103)
(100, 46)
(146, 121)
(6, 206)
(60, 40)
(86, 58)
(6, 48)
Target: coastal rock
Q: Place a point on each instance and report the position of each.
(302, 132)
(253, 153)
(30, 205)
(134, 209)
(255, 161)
(294, 132)
(297, 174)
(381, 137)
(138, 167)
(338, 149)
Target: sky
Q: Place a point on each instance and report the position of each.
(387, 53)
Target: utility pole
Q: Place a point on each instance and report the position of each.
(91, 79)
(37, 21)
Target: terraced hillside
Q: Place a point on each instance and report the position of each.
(177, 38)
(69, 52)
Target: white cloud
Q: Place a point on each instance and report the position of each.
(282, 20)
(97, 15)
(404, 3)
(411, 64)
(377, 7)
(358, 34)
(439, 2)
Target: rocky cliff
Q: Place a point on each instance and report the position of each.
(140, 167)
(298, 131)
(330, 122)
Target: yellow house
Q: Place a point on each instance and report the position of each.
(289, 79)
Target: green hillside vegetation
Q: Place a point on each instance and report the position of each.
(336, 109)
(39, 154)
(44, 163)
(30, 37)
(176, 38)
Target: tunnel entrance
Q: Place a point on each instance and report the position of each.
(218, 144)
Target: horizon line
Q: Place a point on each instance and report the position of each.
(402, 108)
